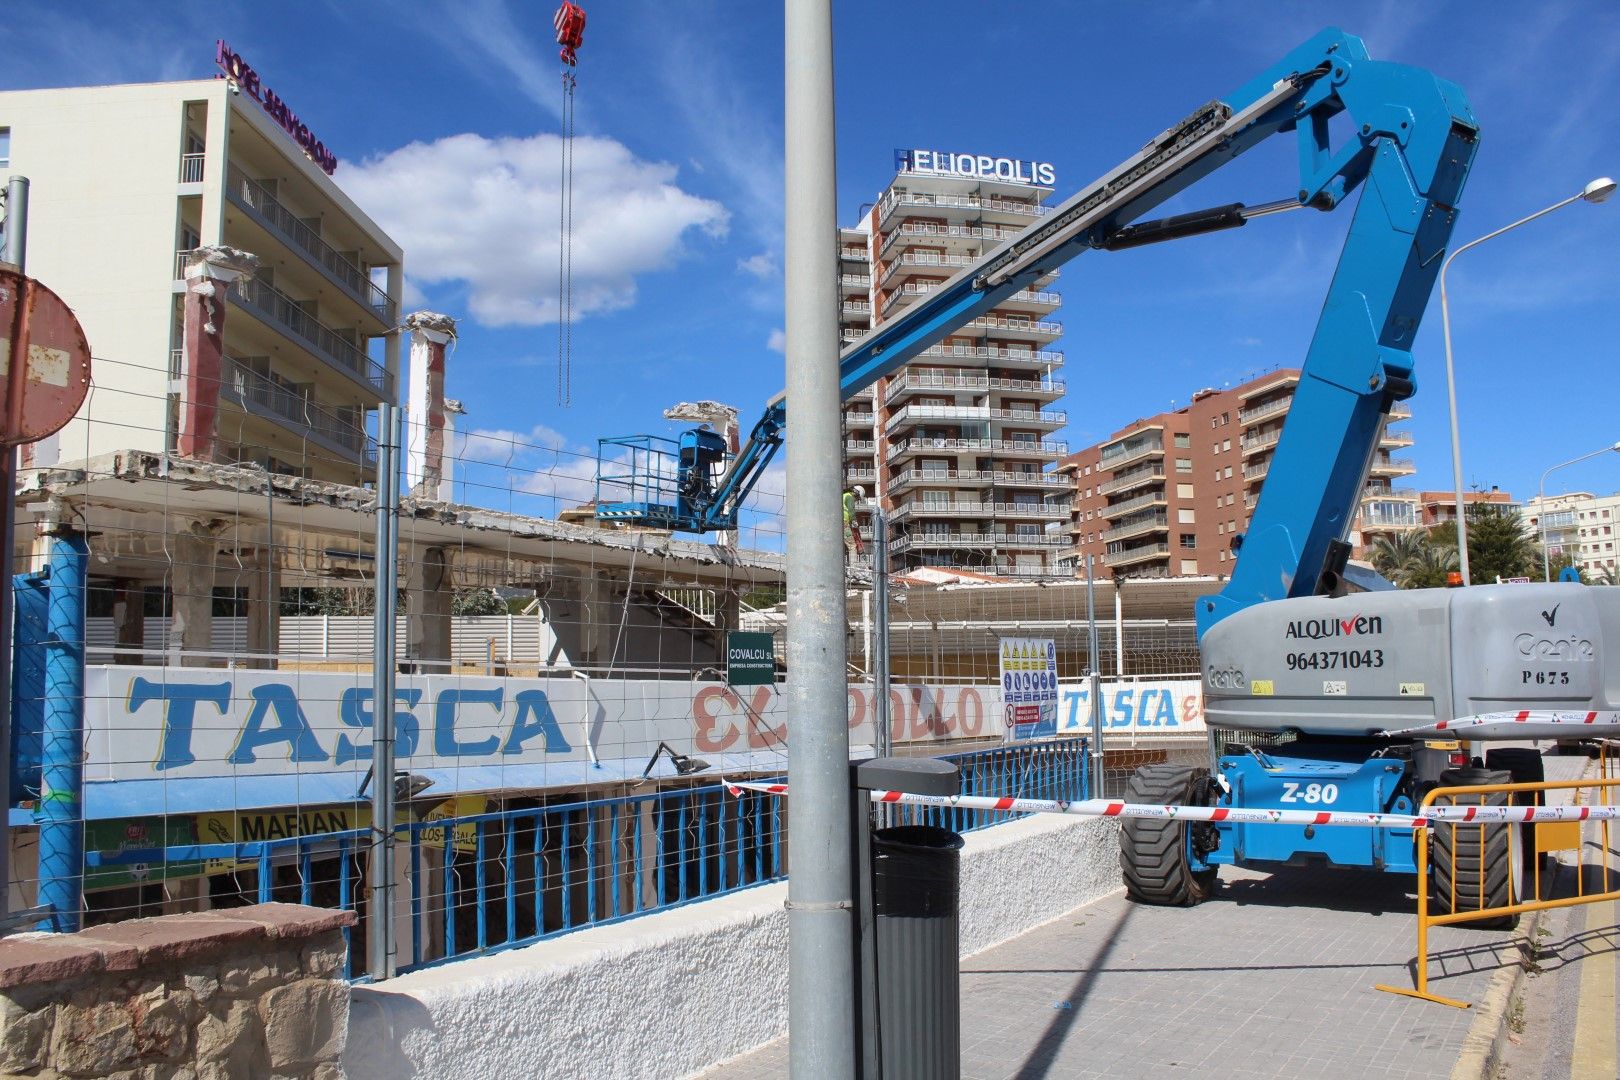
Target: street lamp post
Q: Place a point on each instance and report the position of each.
(1595, 192)
(1541, 501)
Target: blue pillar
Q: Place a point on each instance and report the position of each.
(61, 808)
(27, 684)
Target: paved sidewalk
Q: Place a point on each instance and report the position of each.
(1273, 977)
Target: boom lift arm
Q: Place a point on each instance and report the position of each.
(1413, 141)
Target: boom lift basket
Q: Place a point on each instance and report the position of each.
(659, 483)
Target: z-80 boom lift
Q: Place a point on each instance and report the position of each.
(1312, 673)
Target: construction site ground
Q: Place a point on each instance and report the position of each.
(1274, 977)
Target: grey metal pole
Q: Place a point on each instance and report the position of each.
(1541, 500)
(15, 253)
(821, 940)
(380, 935)
(884, 742)
(1119, 630)
(1095, 680)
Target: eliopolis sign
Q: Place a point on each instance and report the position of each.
(247, 80)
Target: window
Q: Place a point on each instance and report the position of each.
(1183, 464)
(1184, 491)
(1189, 566)
(1220, 528)
(1183, 440)
(1189, 541)
(5, 148)
(1229, 472)
(1226, 418)
(1184, 516)
(1226, 444)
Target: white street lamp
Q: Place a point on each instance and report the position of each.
(1541, 501)
(1595, 192)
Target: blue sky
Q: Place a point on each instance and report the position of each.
(445, 120)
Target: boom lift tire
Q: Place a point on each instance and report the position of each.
(1522, 763)
(1155, 855)
(1472, 867)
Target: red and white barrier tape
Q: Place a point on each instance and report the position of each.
(1236, 814)
(1524, 724)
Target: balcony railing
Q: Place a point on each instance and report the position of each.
(859, 446)
(1122, 454)
(257, 200)
(939, 380)
(1257, 472)
(1005, 446)
(978, 476)
(1261, 412)
(900, 197)
(284, 313)
(191, 168)
(855, 281)
(1378, 519)
(1049, 357)
(1134, 478)
(1147, 523)
(1254, 444)
(856, 307)
(924, 232)
(248, 388)
(1001, 540)
(1140, 502)
(1392, 466)
(1044, 511)
(1140, 553)
(1022, 326)
(859, 419)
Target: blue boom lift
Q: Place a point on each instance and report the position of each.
(1302, 670)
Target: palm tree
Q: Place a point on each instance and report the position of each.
(1391, 552)
(1429, 568)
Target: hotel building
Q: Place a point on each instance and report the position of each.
(138, 193)
(957, 446)
(1164, 496)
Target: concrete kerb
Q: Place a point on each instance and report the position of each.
(1482, 1046)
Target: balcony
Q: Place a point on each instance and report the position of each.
(864, 447)
(1040, 511)
(1254, 444)
(1119, 455)
(915, 414)
(1053, 418)
(1135, 478)
(1388, 466)
(976, 477)
(1010, 447)
(854, 284)
(255, 199)
(1139, 502)
(1404, 517)
(1395, 438)
(1141, 553)
(1275, 382)
(854, 333)
(1251, 473)
(965, 237)
(1139, 526)
(907, 541)
(857, 474)
(267, 398)
(914, 381)
(286, 316)
(1031, 328)
(1043, 357)
(1266, 411)
(857, 308)
(191, 168)
(859, 419)
(913, 262)
(901, 200)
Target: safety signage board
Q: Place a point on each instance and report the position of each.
(1029, 687)
(750, 658)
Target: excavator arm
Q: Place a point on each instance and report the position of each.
(1412, 139)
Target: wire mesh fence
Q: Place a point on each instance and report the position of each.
(561, 706)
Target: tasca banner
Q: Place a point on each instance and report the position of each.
(1157, 707)
(145, 723)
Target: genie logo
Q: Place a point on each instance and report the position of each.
(1532, 647)
(1225, 678)
(1321, 629)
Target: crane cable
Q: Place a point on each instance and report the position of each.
(570, 25)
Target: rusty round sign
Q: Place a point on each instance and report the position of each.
(44, 361)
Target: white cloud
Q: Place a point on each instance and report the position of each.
(777, 342)
(762, 266)
(484, 212)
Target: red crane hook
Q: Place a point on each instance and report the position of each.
(570, 24)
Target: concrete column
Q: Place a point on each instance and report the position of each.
(447, 486)
(191, 588)
(264, 609)
(209, 277)
(727, 614)
(583, 616)
(428, 592)
(129, 620)
(425, 435)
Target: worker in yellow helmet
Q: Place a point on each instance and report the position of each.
(852, 536)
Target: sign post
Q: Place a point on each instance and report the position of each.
(750, 658)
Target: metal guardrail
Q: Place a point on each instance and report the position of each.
(484, 883)
(1522, 842)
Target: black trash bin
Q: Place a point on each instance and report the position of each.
(915, 870)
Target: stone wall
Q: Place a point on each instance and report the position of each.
(246, 992)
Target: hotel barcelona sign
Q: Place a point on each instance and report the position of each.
(247, 80)
(975, 167)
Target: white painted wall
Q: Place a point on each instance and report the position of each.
(671, 994)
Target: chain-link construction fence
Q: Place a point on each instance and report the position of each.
(561, 702)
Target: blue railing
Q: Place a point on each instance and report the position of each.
(487, 882)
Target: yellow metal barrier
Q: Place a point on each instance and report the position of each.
(1547, 837)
